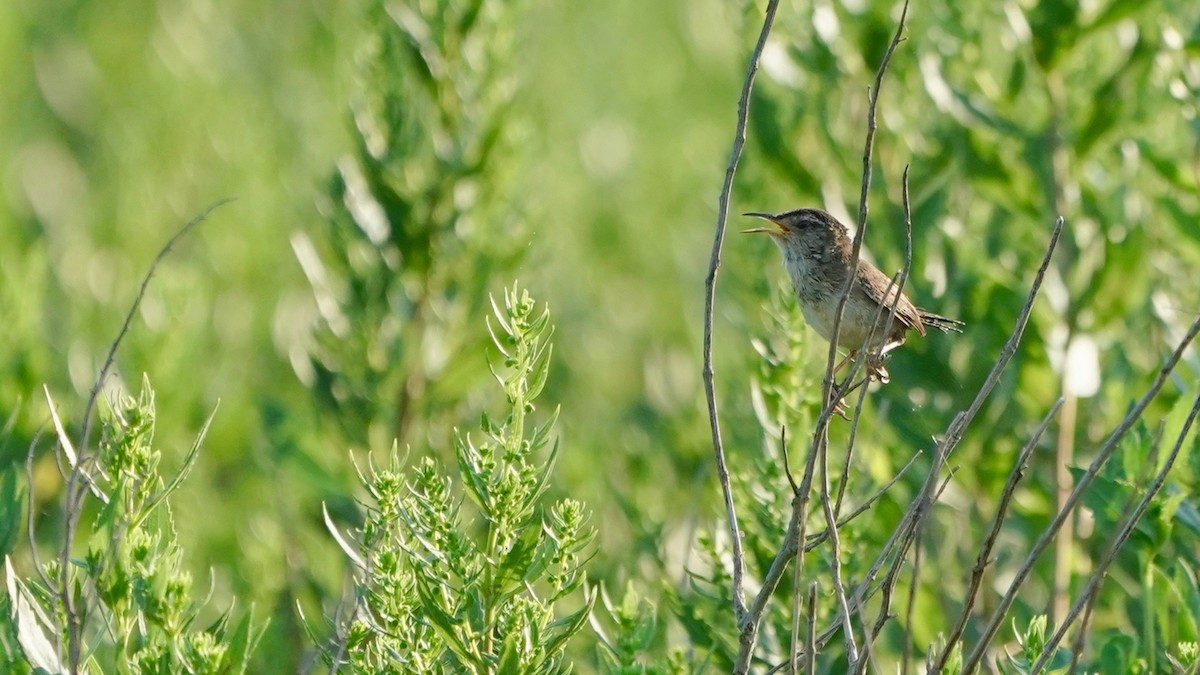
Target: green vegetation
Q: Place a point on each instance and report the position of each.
(434, 597)
(395, 167)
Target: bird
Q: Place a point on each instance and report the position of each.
(818, 255)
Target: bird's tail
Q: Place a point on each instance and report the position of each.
(943, 323)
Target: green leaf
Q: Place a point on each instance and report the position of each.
(446, 626)
(243, 641)
(12, 507)
(542, 369)
(1054, 24)
(510, 655)
(479, 489)
(189, 461)
(1117, 653)
(569, 625)
(1168, 168)
(349, 550)
(517, 564)
(31, 623)
(1116, 10)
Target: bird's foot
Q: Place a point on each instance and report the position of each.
(839, 409)
(876, 370)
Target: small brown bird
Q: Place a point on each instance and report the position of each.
(817, 252)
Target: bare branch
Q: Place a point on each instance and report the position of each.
(813, 540)
(902, 539)
(899, 283)
(864, 591)
(1085, 481)
(912, 601)
(810, 645)
(710, 282)
(820, 434)
(797, 583)
(1093, 585)
(137, 302)
(787, 460)
(77, 485)
(1081, 634)
(985, 551)
(863, 198)
(958, 426)
(836, 549)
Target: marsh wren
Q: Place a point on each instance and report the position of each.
(818, 255)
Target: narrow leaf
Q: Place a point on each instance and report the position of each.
(337, 536)
(34, 644)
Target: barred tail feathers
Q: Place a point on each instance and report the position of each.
(943, 323)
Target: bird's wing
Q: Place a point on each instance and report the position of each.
(875, 283)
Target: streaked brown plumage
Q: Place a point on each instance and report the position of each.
(817, 253)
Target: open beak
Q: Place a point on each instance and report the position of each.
(773, 231)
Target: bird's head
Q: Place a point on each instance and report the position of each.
(799, 225)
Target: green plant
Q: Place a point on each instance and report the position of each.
(416, 221)
(132, 608)
(437, 591)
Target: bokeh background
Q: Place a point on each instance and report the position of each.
(120, 122)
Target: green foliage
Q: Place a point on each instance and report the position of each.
(605, 128)
(442, 592)
(626, 647)
(417, 221)
(132, 597)
(1007, 117)
(12, 501)
(1032, 641)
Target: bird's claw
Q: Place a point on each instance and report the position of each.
(839, 409)
(876, 370)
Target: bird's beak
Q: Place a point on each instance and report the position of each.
(773, 231)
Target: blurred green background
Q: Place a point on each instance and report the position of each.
(121, 121)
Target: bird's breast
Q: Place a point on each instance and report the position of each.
(818, 296)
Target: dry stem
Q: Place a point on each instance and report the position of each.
(710, 283)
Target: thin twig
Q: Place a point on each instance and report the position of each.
(1131, 522)
(865, 592)
(30, 508)
(1081, 635)
(899, 535)
(797, 583)
(983, 559)
(1085, 481)
(800, 520)
(903, 538)
(788, 548)
(904, 272)
(787, 460)
(887, 588)
(863, 198)
(811, 639)
(958, 426)
(899, 283)
(77, 485)
(820, 442)
(906, 653)
(137, 302)
(813, 540)
(710, 282)
(835, 541)
(841, 393)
